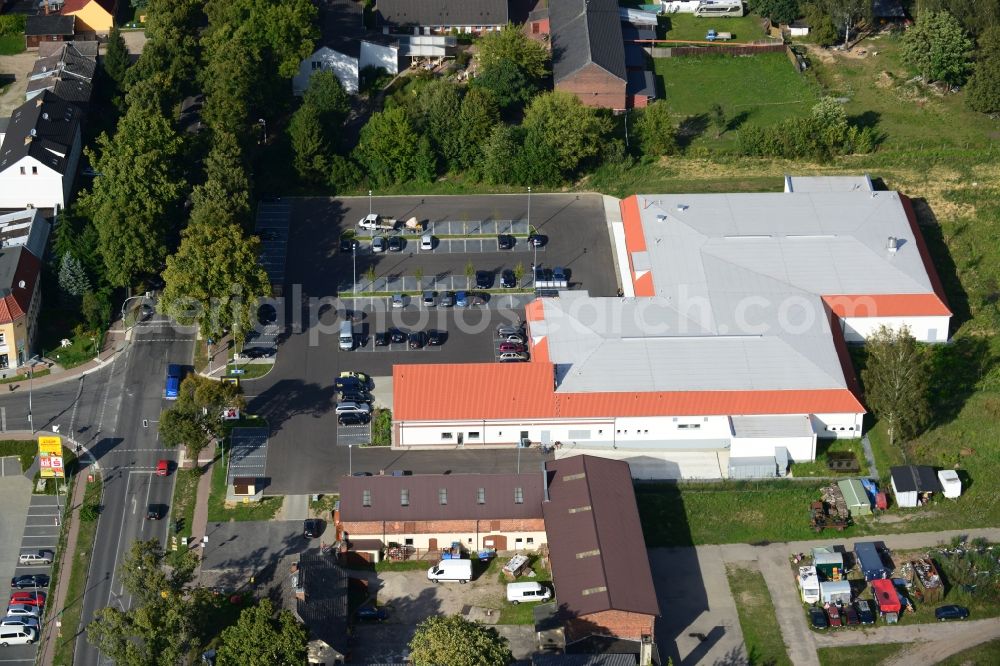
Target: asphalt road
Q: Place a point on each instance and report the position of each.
(297, 396)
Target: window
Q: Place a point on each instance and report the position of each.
(481, 496)
(442, 496)
(688, 426)
(473, 435)
(22, 171)
(34, 171)
(518, 540)
(3, 341)
(407, 542)
(531, 540)
(518, 495)
(535, 28)
(366, 498)
(316, 64)
(404, 497)
(446, 435)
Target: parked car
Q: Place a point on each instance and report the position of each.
(426, 242)
(436, 338)
(349, 244)
(372, 614)
(504, 330)
(28, 598)
(484, 279)
(447, 299)
(513, 338)
(559, 274)
(29, 580)
(461, 300)
(507, 279)
(21, 610)
(312, 528)
(417, 340)
(349, 384)
(355, 396)
(951, 612)
(35, 557)
(378, 244)
(257, 352)
(396, 335)
(398, 300)
(851, 618)
(511, 347)
(381, 339)
(833, 615)
(538, 240)
(352, 407)
(396, 243)
(505, 242)
(866, 614)
(162, 468)
(172, 386)
(19, 621)
(430, 299)
(818, 618)
(512, 356)
(353, 418)
(354, 374)
(17, 636)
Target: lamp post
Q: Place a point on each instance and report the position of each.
(369, 202)
(263, 126)
(31, 376)
(534, 248)
(354, 263)
(130, 298)
(350, 463)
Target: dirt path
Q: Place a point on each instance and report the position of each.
(931, 653)
(20, 66)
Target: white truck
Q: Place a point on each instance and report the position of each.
(375, 222)
(450, 571)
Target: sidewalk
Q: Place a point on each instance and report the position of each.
(58, 374)
(199, 523)
(51, 632)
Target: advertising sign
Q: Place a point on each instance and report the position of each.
(50, 457)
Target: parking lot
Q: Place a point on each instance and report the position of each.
(297, 396)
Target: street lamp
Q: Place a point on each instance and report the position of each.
(31, 376)
(130, 298)
(350, 464)
(354, 263)
(369, 202)
(534, 262)
(263, 125)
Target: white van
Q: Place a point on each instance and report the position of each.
(17, 636)
(347, 336)
(518, 592)
(447, 571)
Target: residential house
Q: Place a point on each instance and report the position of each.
(39, 154)
(20, 300)
(92, 16)
(428, 512)
(43, 28)
(600, 569)
(67, 73)
(440, 16)
(323, 607)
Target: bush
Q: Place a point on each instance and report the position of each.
(382, 428)
(90, 512)
(12, 24)
(824, 134)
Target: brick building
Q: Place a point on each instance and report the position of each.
(604, 587)
(431, 511)
(588, 54)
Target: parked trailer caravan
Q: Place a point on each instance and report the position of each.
(719, 8)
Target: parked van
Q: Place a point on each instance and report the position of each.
(17, 636)
(347, 336)
(518, 592)
(449, 571)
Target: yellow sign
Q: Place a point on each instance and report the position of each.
(50, 446)
(50, 459)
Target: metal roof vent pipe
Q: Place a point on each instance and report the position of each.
(545, 481)
(681, 207)
(892, 245)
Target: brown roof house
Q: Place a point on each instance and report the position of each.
(604, 587)
(428, 512)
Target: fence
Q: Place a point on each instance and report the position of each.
(724, 49)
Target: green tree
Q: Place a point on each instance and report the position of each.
(509, 83)
(309, 144)
(388, 147)
(136, 202)
(896, 380)
(327, 95)
(116, 58)
(224, 198)
(196, 416)
(513, 44)
(73, 280)
(655, 126)
(425, 162)
(500, 154)
(518, 272)
(982, 94)
(169, 60)
(96, 310)
(847, 13)
(572, 131)
(478, 116)
(343, 173)
(181, 428)
(779, 11)
(436, 115)
(829, 121)
(821, 27)
(453, 640)
(719, 119)
(937, 47)
(214, 280)
(976, 16)
(262, 638)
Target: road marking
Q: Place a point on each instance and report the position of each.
(121, 532)
(76, 403)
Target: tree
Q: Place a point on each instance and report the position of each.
(425, 162)
(896, 381)
(829, 123)
(470, 272)
(573, 132)
(455, 641)
(821, 27)
(513, 44)
(436, 115)
(779, 11)
(116, 58)
(655, 126)
(136, 202)
(96, 310)
(847, 13)
(326, 94)
(224, 198)
(500, 154)
(937, 47)
(976, 16)
(214, 280)
(196, 416)
(388, 147)
(518, 272)
(261, 638)
(72, 277)
(476, 120)
(982, 94)
(309, 144)
(509, 83)
(169, 60)
(418, 273)
(719, 119)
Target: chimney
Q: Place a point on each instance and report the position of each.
(646, 650)
(892, 245)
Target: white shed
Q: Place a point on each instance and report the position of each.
(835, 591)
(951, 485)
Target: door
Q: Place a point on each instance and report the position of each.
(499, 541)
(432, 544)
(461, 438)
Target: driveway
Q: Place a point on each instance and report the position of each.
(19, 66)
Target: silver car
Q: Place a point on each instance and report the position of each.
(378, 244)
(37, 557)
(20, 621)
(22, 610)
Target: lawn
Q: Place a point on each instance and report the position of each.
(986, 654)
(218, 512)
(55, 325)
(693, 28)
(249, 370)
(757, 619)
(762, 89)
(11, 44)
(825, 447)
(185, 495)
(520, 613)
(25, 449)
(872, 653)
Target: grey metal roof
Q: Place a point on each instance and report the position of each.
(27, 228)
(641, 83)
(49, 24)
(920, 478)
(753, 467)
(66, 61)
(586, 32)
(442, 12)
(44, 128)
(828, 183)
(771, 426)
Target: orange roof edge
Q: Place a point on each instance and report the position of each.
(887, 305)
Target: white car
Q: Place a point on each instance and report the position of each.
(398, 300)
(353, 408)
(37, 557)
(17, 636)
(512, 356)
(378, 244)
(512, 338)
(22, 610)
(427, 242)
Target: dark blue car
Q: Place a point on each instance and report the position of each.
(175, 374)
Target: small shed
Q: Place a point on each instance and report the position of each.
(856, 497)
(913, 485)
(809, 584)
(870, 561)
(798, 28)
(886, 598)
(828, 562)
(951, 485)
(835, 591)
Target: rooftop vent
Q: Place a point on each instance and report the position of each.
(682, 207)
(892, 244)
(45, 116)
(661, 218)
(22, 284)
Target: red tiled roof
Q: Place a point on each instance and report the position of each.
(16, 303)
(71, 6)
(496, 391)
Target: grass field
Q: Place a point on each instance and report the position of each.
(185, 494)
(769, 90)
(873, 653)
(757, 619)
(986, 654)
(690, 27)
(824, 447)
(24, 449)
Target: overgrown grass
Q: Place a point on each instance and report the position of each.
(25, 450)
(851, 655)
(249, 370)
(986, 654)
(690, 27)
(757, 619)
(185, 498)
(78, 572)
(823, 448)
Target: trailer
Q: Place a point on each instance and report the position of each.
(808, 584)
(714, 36)
(887, 600)
(870, 561)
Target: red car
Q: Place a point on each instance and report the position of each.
(28, 598)
(833, 613)
(511, 347)
(162, 468)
